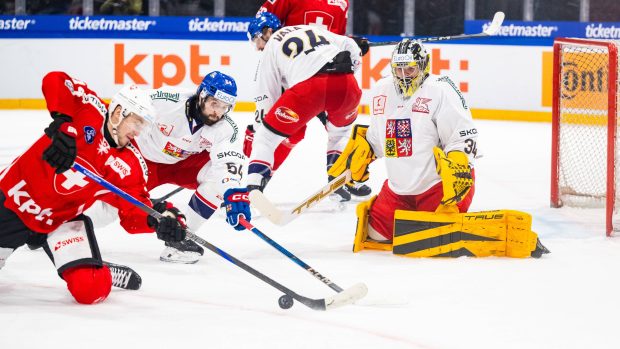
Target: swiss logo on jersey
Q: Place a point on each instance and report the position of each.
(398, 138)
(319, 19)
(378, 104)
(421, 105)
(166, 130)
(119, 166)
(62, 243)
(286, 115)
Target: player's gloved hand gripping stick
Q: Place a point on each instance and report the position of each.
(348, 296)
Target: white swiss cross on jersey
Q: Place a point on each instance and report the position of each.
(319, 19)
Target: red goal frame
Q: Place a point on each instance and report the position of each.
(612, 89)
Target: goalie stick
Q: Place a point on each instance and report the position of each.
(346, 297)
(491, 30)
(282, 217)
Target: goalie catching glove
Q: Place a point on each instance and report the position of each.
(455, 176)
(356, 156)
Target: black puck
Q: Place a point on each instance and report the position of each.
(285, 301)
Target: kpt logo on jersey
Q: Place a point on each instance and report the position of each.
(286, 115)
(29, 205)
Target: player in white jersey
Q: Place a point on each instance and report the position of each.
(304, 71)
(192, 143)
(417, 119)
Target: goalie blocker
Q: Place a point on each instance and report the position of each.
(476, 234)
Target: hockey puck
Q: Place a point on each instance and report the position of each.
(285, 301)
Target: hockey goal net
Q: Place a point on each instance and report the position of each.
(584, 162)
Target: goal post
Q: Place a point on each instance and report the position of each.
(584, 148)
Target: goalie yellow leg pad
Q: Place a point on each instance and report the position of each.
(477, 234)
(361, 242)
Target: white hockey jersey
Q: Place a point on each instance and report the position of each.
(171, 138)
(404, 132)
(294, 54)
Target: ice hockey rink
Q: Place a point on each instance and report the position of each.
(567, 299)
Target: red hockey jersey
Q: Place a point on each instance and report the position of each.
(43, 199)
(329, 14)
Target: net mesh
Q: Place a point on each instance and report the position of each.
(583, 120)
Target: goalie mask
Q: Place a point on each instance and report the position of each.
(410, 67)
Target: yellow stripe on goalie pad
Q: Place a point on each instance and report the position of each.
(476, 234)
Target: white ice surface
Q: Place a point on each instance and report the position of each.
(568, 299)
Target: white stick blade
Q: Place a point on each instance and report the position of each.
(266, 207)
(498, 19)
(346, 297)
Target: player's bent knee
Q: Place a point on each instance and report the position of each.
(88, 284)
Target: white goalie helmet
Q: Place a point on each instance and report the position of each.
(133, 99)
(410, 66)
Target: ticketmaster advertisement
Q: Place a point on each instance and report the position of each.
(506, 75)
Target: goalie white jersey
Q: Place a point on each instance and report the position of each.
(294, 54)
(404, 132)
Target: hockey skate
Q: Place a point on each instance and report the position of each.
(540, 250)
(340, 195)
(359, 190)
(124, 277)
(185, 251)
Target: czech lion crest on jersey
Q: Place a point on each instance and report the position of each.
(398, 138)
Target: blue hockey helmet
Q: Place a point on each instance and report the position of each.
(220, 86)
(263, 20)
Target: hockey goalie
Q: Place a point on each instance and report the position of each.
(422, 127)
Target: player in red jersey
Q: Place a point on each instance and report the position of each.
(40, 193)
(327, 14)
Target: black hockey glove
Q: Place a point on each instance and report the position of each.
(62, 152)
(362, 42)
(171, 227)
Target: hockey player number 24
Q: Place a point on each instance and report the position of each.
(299, 44)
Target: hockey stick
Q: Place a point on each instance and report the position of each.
(291, 256)
(167, 196)
(491, 30)
(282, 217)
(345, 297)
